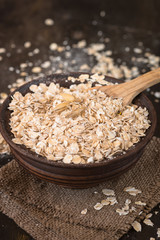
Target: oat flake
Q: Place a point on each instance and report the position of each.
(49, 22)
(108, 192)
(36, 70)
(84, 211)
(132, 191)
(140, 203)
(27, 44)
(148, 222)
(98, 206)
(2, 50)
(149, 215)
(46, 64)
(53, 46)
(137, 226)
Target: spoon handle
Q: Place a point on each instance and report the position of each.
(142, 82)
(129, 90)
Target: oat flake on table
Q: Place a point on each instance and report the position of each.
(137, 226)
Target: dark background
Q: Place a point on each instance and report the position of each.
(126, 23)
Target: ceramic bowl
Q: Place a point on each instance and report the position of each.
(74, 175)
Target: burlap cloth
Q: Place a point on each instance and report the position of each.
(49, 212)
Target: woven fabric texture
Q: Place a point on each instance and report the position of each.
(47, 211)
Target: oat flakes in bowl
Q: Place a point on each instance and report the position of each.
(65, 133)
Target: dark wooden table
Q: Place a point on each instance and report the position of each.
(125, 22)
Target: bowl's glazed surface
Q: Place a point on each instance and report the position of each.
(74, 175)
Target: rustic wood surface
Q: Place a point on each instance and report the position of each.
(125, 22)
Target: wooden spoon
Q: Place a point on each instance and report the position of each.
(129, 90)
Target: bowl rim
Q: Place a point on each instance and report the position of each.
(39, 158)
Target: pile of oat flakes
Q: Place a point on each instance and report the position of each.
(75, 125)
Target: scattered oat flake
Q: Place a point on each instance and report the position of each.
(148, 222)
(158, 232)
(53, 46)
(108, 192)
(30, 54)
(132, 191)
(157, 94)
(99, 33)
(13, 45)
(140, 203)
(81, 44)
(137, 50)
(105, 202)
(121, 212)
(108, 53)
(2, 50)
(46, 64)
(23, 65)
(84, 67)
(126, 209)
(36, 51)
(149, 215)
(98, 46)
(151, 238)
(23, 74)
(36, 70)
(84, 211)
(98, 206)
(3, 95)
(132, 209)
(60, 48)
(11, 69)
(137, 226)
(107, 40)
(127, 49)
(112, 200)
(27, 44)
(49, 22)
(127, 202)
(102, 13)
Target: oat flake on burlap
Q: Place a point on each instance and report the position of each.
(47, 211)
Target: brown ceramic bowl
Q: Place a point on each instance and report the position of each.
(71, 175)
